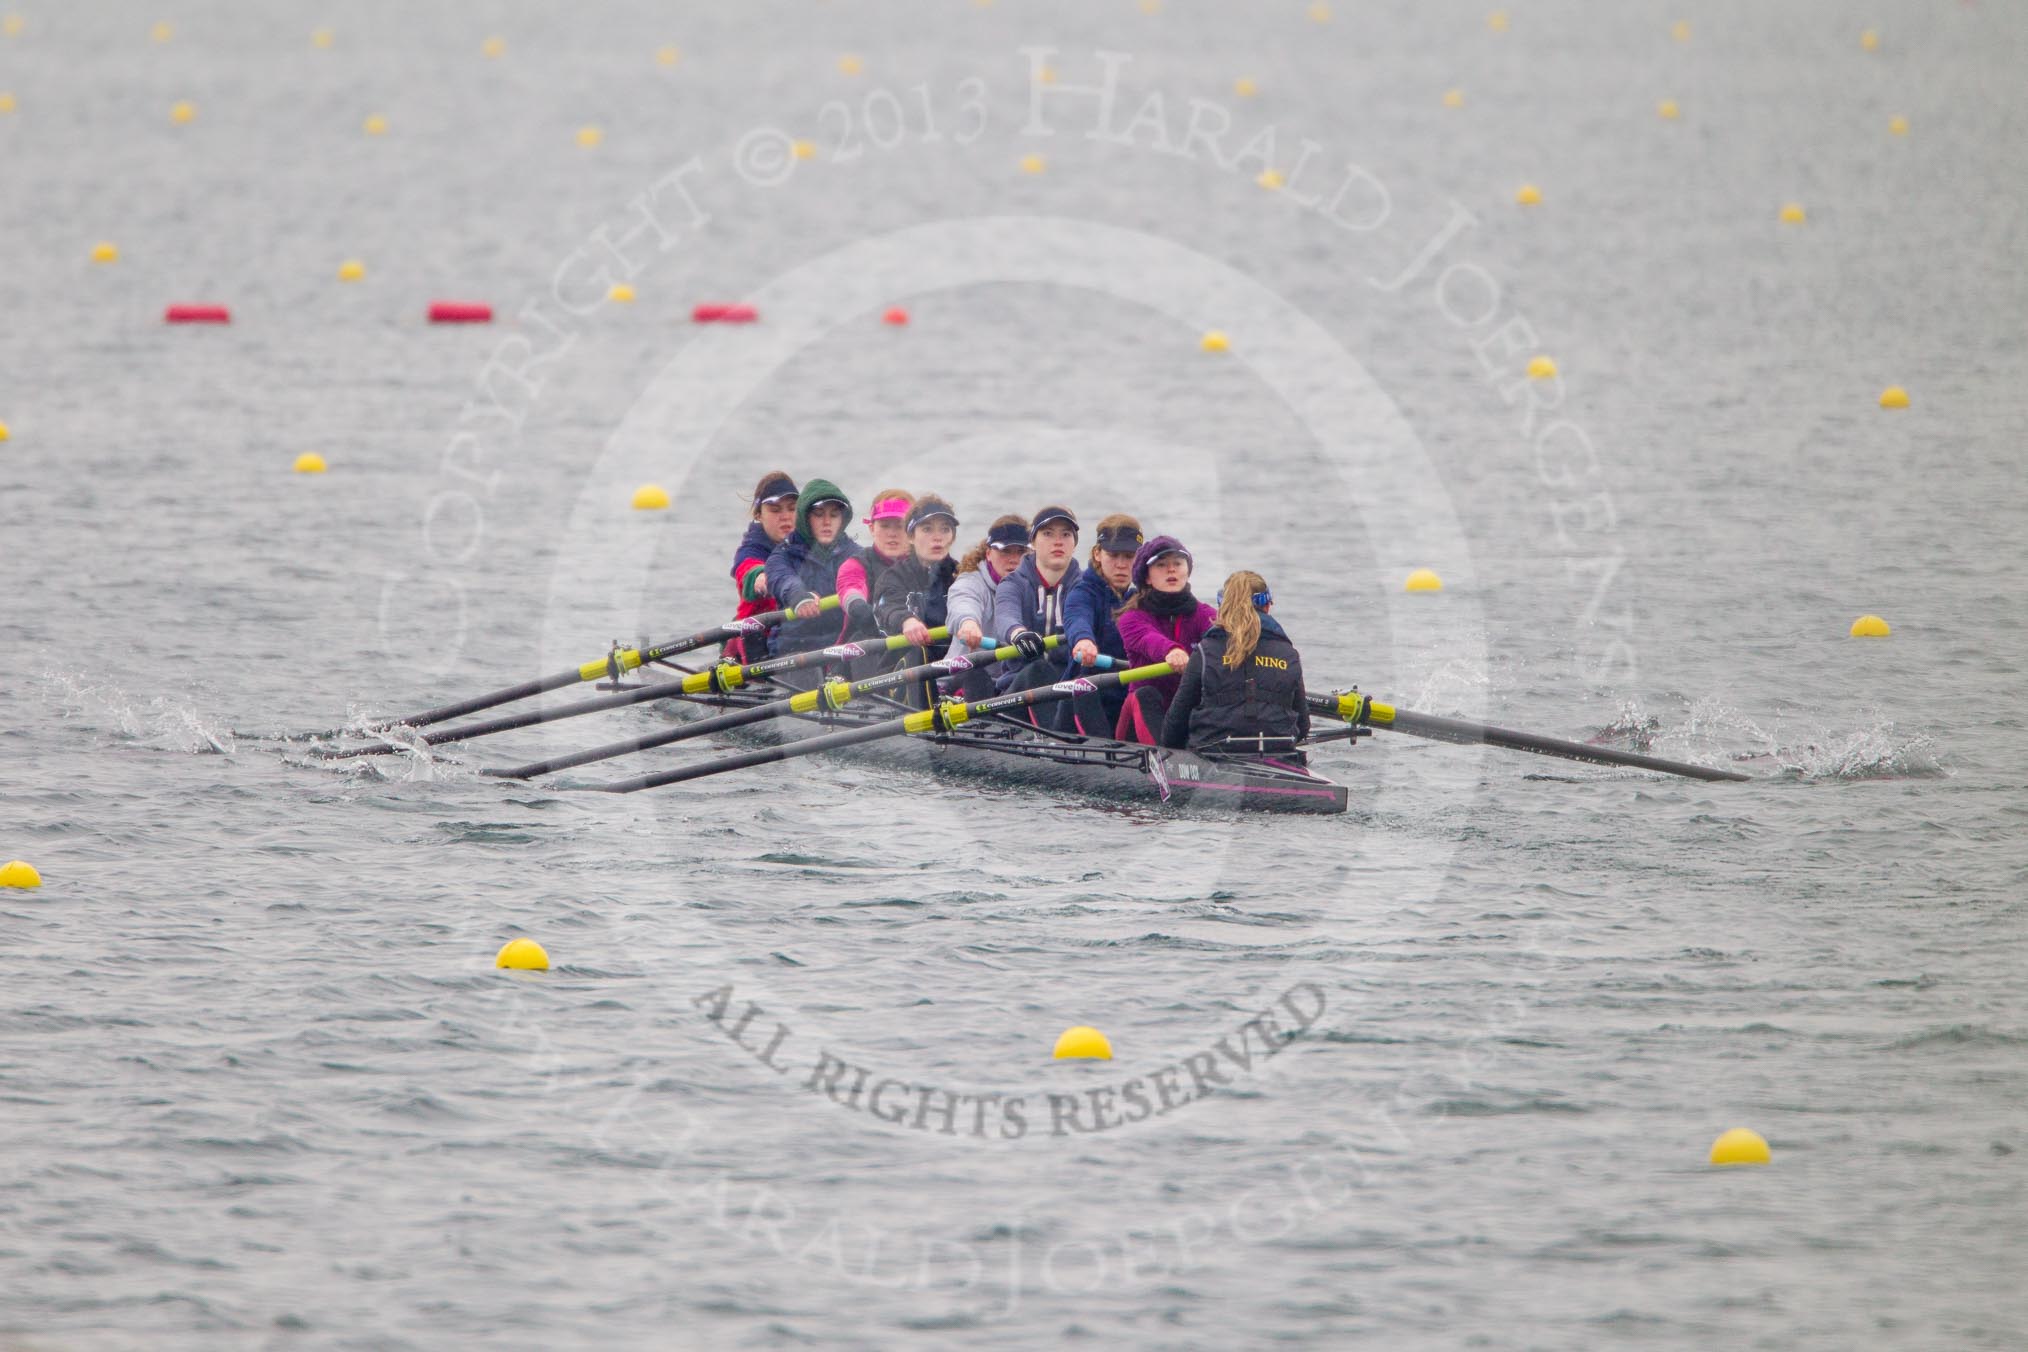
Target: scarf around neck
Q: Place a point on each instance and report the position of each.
(1168, 605)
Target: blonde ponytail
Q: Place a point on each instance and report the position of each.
(1239, 617)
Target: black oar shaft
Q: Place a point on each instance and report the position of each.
(930, 721)
(764, 756)
(804, 702)
(1440, 729)
(623, 661)
(738, 718)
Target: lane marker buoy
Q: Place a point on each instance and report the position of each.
(523, 955)
(1214, 341)
(460, 312)
(1528, 195)
(1894, 397)
(896, 317)
(1793, 213)
(1033, 164)
(309, 462)
(1869, 626)
(351, 270)
(651, 498)
(19, 873)
(1083, 1043)
(1739, 1146)
(197, 314)
(1423, 580)
(105, 251)
(182, 111)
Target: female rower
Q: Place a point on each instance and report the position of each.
(1028, 607)
(816, 559)
(774, 516)
(887, 525)
(1162, 623)
(1245, 680)
(970, 604)
(1089, 627)
(914, 594)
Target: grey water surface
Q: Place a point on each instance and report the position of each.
(262, 1086)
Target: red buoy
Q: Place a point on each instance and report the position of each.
(896, 316)
(739, 314)
(707, 314)
(717, 312)
(197, 314)
(460, 312)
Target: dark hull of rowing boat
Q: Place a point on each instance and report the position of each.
(1003, 753)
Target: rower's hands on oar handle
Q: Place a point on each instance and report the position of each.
(1177, 658)
(1086, 652)
(1029, 642)
(807, 608)
(915, 631)
(969, 635)
(860, 610)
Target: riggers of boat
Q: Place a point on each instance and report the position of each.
(806, 704)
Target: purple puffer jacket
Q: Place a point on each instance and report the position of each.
(1148, 638)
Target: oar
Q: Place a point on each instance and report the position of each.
(831, 695)
(940, 719)
(1358, 708)
(612, 664)
(725, 676)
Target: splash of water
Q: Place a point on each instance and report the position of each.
(161, 722)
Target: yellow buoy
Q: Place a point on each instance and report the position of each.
(523, 955)
(589, 136)
(376, 125)
(1541, 367)
(21, 873)
(182, 111)
(1870, 40)
(351, 270)
(1454, 98)
(105, 251)
(4, 432)
(161, 32)
(12, 25)
(1422, 579)
(1894, 397)
(6, 103)
(850, 65)
(621, 292)
(1320, 12)
(1793, 214)
(1869, 626)
(1083, 1044)
(1667, 110)
(322, 38)
(1680, 30)
(1270, 178)
(1214, 341)
(803, 150)
(1497, 21)
(493, 47)
(667, 56)
(1047, 75)
(651, 498)
(1033, 164)
(1528, 195)
(309, 462)
(1739, 1146)
(1245, 87)
(1898, 125)
(1151, 6)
